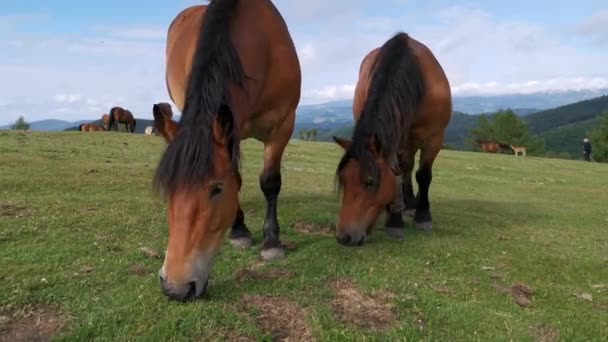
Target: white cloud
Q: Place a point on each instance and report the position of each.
(595, 27)
(158, 33)
(331, 93)
(483, 53)
(555, 85)
(67, 98)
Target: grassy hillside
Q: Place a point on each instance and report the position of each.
(519, 251)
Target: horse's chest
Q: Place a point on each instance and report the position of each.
(261, 129)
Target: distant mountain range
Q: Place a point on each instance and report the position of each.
(52, 125)
(561, 118)
(563, 127)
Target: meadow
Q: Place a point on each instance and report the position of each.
(519, 251)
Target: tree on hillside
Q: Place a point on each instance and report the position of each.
(308, 134)
(599, 140)
(506, 127)
(20, 124)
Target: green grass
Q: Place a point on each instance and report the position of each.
(539, 222)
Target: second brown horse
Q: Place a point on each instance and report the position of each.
(233, 72)
(402, 104)
(120, 115)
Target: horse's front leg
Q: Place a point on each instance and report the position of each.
(270, 183)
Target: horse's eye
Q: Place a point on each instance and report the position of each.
(216, 190)
(369, 182)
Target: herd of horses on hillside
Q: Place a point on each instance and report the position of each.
(113, 120)
(235, 76)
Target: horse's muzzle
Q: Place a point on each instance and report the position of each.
(182, 292)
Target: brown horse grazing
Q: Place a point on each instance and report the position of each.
(233, 72)
(106, 121)
(491, 146)
(402, 103)
(90, 128)
(120, 115)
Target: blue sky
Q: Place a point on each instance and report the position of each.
(76, 59)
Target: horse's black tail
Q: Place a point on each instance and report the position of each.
(80, 127)
(398, 85)
(111, 114)
(134, 124)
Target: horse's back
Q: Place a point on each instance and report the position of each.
(267, 54)
(435, 109)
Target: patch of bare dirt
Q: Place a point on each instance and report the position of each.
(140, 270)
(279, 317)
(521, 294)
(249, 274)
(87, 270)
(32, 325)
(313, 229)
(290, 245)
(443, 288)
(11, 210)
(226, 336)
(353, 307)
(150, 253)
(545, 333)
(584, 296)
(497, 276)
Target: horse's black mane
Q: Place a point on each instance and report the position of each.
(395, 92)
(188, 160)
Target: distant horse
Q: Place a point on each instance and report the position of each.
(402, 103)
(233, 72)
(165, 109)
(90, 128)
(120, 115)
(150, 130)
(518, 150)
(106, 121)
(491, 146)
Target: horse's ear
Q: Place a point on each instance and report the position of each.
(374, 146)
(219, 136)
(163, 125)
(344, 143)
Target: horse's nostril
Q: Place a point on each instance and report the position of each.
(191, 291)
(362, 241)
(343, 239)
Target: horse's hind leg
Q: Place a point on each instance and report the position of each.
(424, 176)
(240, 236)
(406, 162)
(394, 225)
(270, 183)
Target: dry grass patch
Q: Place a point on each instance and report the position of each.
(279, 317)
(40, 324)
(353, 307)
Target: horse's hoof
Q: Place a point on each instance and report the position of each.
(395, 233)
(409, 212)
(242, 242)
(273, 254)
(424, 226)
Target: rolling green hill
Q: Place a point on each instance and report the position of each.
(575, 113)
(82, 239)
(569, 138)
